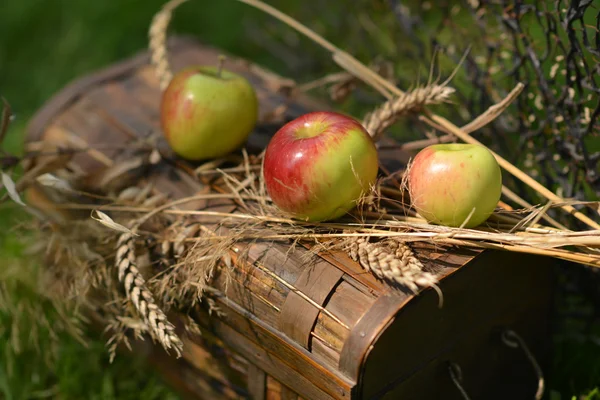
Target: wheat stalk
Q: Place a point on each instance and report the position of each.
(377, 121)
(142, 299)
(157, 35)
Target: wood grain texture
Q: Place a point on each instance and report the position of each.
(278, 355)
(298, 315)
(257, 383)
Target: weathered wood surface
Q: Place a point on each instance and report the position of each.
(273, 344)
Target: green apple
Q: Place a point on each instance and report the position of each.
(207, 112)
(447, 181)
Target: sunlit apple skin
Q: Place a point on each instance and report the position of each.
(207, 114)
(317, 166)
(446, 181)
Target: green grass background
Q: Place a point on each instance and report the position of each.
(46, 44)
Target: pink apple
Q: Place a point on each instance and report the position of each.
(318, 166)
(207, 112)
(447, 181)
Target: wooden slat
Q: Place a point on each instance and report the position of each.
(272, 364)
(143, 86)
(84, 117)
(298, 316)
(212, 361)
(288, 394)
(349, 303)
(286, 263)
(115, 105)
(260, 306)
(63, 137)
(189, 381)
(278, 356)
(353, 269)
(323, 351)
(261, 284)
(331, 331)
(257, 383)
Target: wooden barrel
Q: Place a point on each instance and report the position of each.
(320, 330)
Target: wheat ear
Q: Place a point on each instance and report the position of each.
(142, 299)
(377, 121)
(157, 35)
(391, 260)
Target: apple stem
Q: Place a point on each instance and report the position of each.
(222, 59)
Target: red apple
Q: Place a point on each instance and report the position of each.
(447, 181)
(207, 112)
(318, 166)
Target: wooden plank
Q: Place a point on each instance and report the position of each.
(287, 263)
(260, 283)
(85, 121)
(189, 381)
(324, 352)
(214, 361)
(288, 394)
(272, 364)
(143, 86)
(122, 110)
(331, 332)
(278, 391)
(277, 355)
(298, 316)
(274, 388)
(342, 261)
(258, 305)
(257, 383)
(87, 161)
(349, 303)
